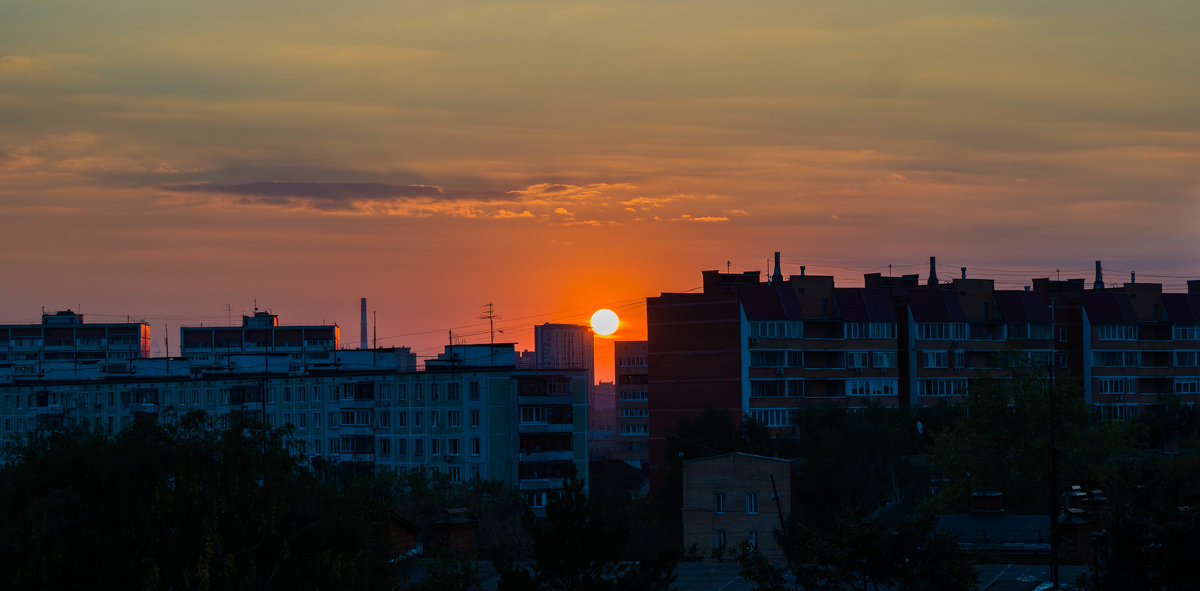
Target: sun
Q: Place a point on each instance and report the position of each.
(605, 322)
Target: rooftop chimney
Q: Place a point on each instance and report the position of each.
(1099, 284)
(802, 270)
(933, 280)
(1132, 277)
(363, 333)
(964, 272)
(777, 276)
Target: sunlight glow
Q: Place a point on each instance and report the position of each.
(605, 322)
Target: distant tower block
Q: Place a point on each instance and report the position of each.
(363, 332)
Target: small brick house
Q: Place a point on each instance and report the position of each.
(733, 497)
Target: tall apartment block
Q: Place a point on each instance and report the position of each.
(768, 348)
(565, 346)
(632, 402)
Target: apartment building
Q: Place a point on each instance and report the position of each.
(767, 349)
(64, 337)
(260, 333)
(470, 414)
(632, 403)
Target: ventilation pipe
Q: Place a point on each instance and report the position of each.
(363, 332)
(933, 280)
(777, 276)
(802, 270)
(1099, 284)
(1132, 277)
(964, 272)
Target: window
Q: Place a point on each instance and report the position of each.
(777, 330)
(934, 359)
(870, 330)
(533, 414)
(335, 419)
(942, 331)
(418, 447)
(316, 420)
(1111, 386)
(635, 413)
(473, 391)
(1063, 335)
(475, 417)
(951, 387)
(752, 503)
(385, 419)
(434, 395)
(639, 429)
(302, 420)
(475, 446)
(752, 538)
(1187, 358)
(434, 447)
(768, 388)
(435, 419)
(418, 393)
(335, 446)
(632, 396)
(454, 391)
(773, 417)
(1187, 385)
(883, 359)
(759, 358)
(455, 474)
(401, 393)
(1186, 332)
(452, 446)
(385, 447)
(535, 499)
(856, 359)
(719, 502)
(1116, 332)
(401, 447)
(316, 446)
(417, 418)
(718, 539)
(401, 419)
(1115, 358)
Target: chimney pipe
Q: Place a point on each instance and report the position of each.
(1099, 284)
(802, 270)
(933, 280)
(777, 276)
(964, 272)
(363, 333)
(1133, 277)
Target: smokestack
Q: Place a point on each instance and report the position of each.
(1099, 284)
(933, 280)
(964, 272)
(362, 344)
(1132, 277)
(802, 270)
(777, 276)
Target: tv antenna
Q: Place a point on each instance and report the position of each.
(491, 316)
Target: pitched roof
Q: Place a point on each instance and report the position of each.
(770, 302)
(1182, 308)
(861, 304)
(1108, 307)
(1023, 306)
(935, 305)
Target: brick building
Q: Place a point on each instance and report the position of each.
(734, 497)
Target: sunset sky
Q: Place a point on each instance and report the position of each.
(162, 160)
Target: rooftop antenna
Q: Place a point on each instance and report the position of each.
(889, 269)
(229, 314)
(1058, 274)
(374, 329)
(728, 265)
(491, 316)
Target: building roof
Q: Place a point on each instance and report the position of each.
(770, 302)
(738, 453)
(935, 305)
(1108, 307)
(861, 304)
(1023, 306)
(1182, 308)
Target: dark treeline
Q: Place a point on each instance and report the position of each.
(181, 504)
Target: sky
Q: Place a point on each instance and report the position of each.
(185, 162)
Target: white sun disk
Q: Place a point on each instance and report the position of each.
(605, 322)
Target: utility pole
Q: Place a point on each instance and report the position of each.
(491, 316)
(1053, 471)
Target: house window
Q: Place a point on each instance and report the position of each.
(401, 447)
(401, 418)
(316, 420)
(718, 539)
(883, 359)
(401, 392)
(453, 418)
(434, 396)
(385, 447)
(417, 418)
(474, 446)
(752, 538)
(473, 391)
(752, 503)
(418, 447)
(434, 448)
(385, 419)
(452, 446)
(719, 502)
(474, 417)
(453, 391)
(934, 359)
(455, 474)
(856, 359)
(434, 418)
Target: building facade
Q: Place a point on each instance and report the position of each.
(736, 497)
(632, 402)
(768, 349)
(64, 337)
(471, 414)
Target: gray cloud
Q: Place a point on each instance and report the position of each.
(347, 196)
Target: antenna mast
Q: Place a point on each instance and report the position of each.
(491, 316)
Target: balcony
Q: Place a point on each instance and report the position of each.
(541, 483)
(143, 407)
(546, 400)
(360, 430)
(565, 455)
(545, 428)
